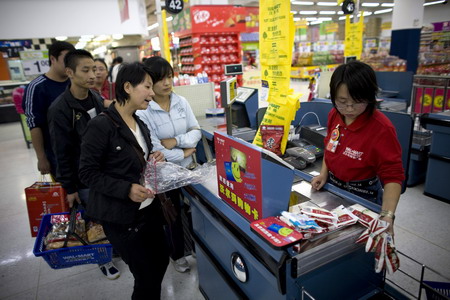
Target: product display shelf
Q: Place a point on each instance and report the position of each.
(434, 53)
(209, 53)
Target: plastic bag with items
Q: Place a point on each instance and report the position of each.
(161, 177)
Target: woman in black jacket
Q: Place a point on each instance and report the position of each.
(114, 151)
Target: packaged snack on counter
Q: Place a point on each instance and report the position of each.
(271, 137)
(392, 261)
(365, 215)
(345, 216)
(320, 213)
(302, 222)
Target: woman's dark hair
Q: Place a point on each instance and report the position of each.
(360, 80)
(72, 57)
(102, 61)
(159, 68)
(133, 73)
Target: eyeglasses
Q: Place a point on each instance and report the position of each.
(357, 105)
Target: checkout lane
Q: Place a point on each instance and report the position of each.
(327, 267)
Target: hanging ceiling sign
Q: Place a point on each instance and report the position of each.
(174, 6)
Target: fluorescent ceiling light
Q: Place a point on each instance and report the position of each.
(84, 38)
(327, 3)
(100, 38)
(297, 19)
(366, 13)
(315, 22)
(61, 38)
(117, 36)
(340, 12)
(308, 12)
(324, 19)
(387, 4)
(168, 19)
(344, 17)
(309, 19)
(80, 45)
(294, 12)
(153, 26)
(302, 2)
(383, 11)
(327, 12)
(434, 2)
(371, 4)
(99, 50)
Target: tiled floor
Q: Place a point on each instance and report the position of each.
(421, 231)
(24, 276)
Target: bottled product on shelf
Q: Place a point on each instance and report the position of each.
(208, 53)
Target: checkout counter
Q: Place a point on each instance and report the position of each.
(438, 170)
(236, 263)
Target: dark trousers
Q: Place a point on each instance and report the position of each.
(174, 232)
(143, 248)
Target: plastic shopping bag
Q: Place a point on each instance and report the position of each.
(161, 177)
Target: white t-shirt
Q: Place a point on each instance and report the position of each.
(140, 139)
(114, 72)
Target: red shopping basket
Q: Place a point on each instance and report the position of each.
(71, 256)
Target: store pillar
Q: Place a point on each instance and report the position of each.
(407, 19)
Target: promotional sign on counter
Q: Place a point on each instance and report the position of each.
(239, 176)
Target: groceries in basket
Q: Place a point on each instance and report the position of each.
(59, 235)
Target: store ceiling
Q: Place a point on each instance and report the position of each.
(333, 12)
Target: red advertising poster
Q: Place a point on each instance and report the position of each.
(217, 18)
(239, 176)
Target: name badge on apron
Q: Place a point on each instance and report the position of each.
(334, 140)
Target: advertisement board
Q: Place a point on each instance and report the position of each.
(239, 176)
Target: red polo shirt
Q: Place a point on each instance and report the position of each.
(366, 148)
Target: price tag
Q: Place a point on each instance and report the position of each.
(35, 62)
(174, 6)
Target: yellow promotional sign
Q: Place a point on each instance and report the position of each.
(276, 30)
(353, 37)
(275, 19)
(166, 37)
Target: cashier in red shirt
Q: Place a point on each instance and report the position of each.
(362, 153)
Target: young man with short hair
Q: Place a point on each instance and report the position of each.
(68, 117)
(38, 96)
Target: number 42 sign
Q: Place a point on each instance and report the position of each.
(34, 62)
(174, 6)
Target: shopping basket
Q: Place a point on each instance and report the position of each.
(71, 256)
(436, 290)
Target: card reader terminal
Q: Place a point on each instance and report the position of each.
(301, 152)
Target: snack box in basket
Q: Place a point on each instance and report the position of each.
(71, 256)
(44, 198)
